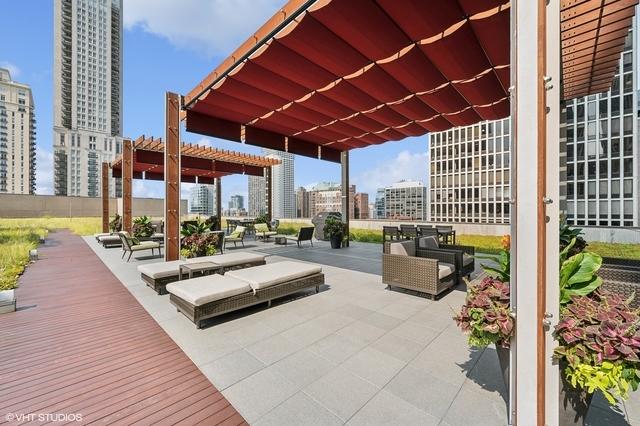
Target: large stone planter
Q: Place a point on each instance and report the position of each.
(7, 301)
(574, 403)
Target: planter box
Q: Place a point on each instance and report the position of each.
(7, 301)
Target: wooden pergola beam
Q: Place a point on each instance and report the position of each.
(127, 182)
(105, 197)
(172, 177)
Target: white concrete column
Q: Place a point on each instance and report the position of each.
(534, 225)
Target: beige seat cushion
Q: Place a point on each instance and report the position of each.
(145, 245)
(161, 269)
(445, 269)
(274, 273)
(466, 259)
(209, 288)
(404, 248)
(230, 259)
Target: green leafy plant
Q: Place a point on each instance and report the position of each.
(334, 227)
(486, 314)
(198, 245)
(578, 273)
(502, 270)
(571, 236)
(197, 228)
(142, 227)
(599, 340)
(263, 218)
(115, 225)
(213, 222)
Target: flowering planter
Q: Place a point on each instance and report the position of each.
(7, 301)
(574, 402)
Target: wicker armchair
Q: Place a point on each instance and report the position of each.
(464, 255)
(424, 271)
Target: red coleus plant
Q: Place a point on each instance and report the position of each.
(486, 314)
(596, 328)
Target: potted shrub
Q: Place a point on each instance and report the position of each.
(598, 348)
(335, 230)
(486, 314)
(116, 224)
(197, 245)
(196, 228)
(598, 338)
(142, 227)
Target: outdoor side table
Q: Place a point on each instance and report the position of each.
(204, 267)
(280, 239)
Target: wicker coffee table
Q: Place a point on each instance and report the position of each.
(204, 268)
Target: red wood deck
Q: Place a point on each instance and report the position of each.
(81, 344)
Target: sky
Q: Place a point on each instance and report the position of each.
(171, 46)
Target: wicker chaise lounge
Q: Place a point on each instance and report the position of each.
(212, 295)
(108, 239)
(158, 275)
(403, 266)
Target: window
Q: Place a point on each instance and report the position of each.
(615, 127)
(628, 188)
(615, 106)
(604, 189)
(628, 167)
(604, 108)
(603, 169)
(628, 104)
(591, 111)
(604, 129)
(615, 168)
(615, 189)
(580, 114)
(569, 114)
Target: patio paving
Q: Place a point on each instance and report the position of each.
(355, 353)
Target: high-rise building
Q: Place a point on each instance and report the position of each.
(405, 200)
(603, 166)
(17, 137)
(361, 205)
(87, 77)
(283, 190)
(379, 205)
(469, 173)
(327, 197)
(257, 196)
(302, 202)
(202, 201)
(236, 202)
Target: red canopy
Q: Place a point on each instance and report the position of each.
(325, 76)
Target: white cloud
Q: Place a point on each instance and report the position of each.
(406, 165)
(148, 189)
(209, 27)
(44, 171)
(13, 68)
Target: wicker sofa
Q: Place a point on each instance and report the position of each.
(212, 295)
(158, 275)
(426, 271)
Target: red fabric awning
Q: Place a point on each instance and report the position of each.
(326, 76)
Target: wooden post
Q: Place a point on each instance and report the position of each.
(105, 197)
(219, 200)
(127, 183)
(268, 175)
(344, 162)
(172, 177)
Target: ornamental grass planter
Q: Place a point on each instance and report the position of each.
(574, 402)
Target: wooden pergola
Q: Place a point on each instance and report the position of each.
(149, 158)
(323, 77)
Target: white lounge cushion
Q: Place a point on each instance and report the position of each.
(108, 237)
(209, 288)
(274, 273)
(404, 248)
(445, 269)
(101, 234)
(161, 269)
(230, 259)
